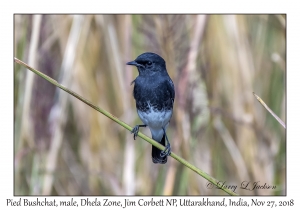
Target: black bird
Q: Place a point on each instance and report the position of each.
(154, 95)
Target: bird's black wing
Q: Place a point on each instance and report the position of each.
(169, 93)
(171, 89)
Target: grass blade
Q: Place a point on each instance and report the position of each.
(267, 108)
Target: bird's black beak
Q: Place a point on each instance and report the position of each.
(132, 63)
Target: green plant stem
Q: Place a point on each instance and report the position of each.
(112, 117)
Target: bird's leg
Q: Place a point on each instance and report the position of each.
(135, 130)
(167, 150)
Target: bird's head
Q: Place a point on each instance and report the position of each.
(148, 63)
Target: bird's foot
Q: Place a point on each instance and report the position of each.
(135, 130)
(166, 152)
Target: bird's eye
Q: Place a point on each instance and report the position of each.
(149, 63)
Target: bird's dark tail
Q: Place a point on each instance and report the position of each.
(156, 158)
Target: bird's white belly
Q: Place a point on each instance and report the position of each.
(156, 121)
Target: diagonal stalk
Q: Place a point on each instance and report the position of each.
(269, 110)
(112, 117)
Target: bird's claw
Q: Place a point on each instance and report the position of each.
(135, 131)
(166, 152)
